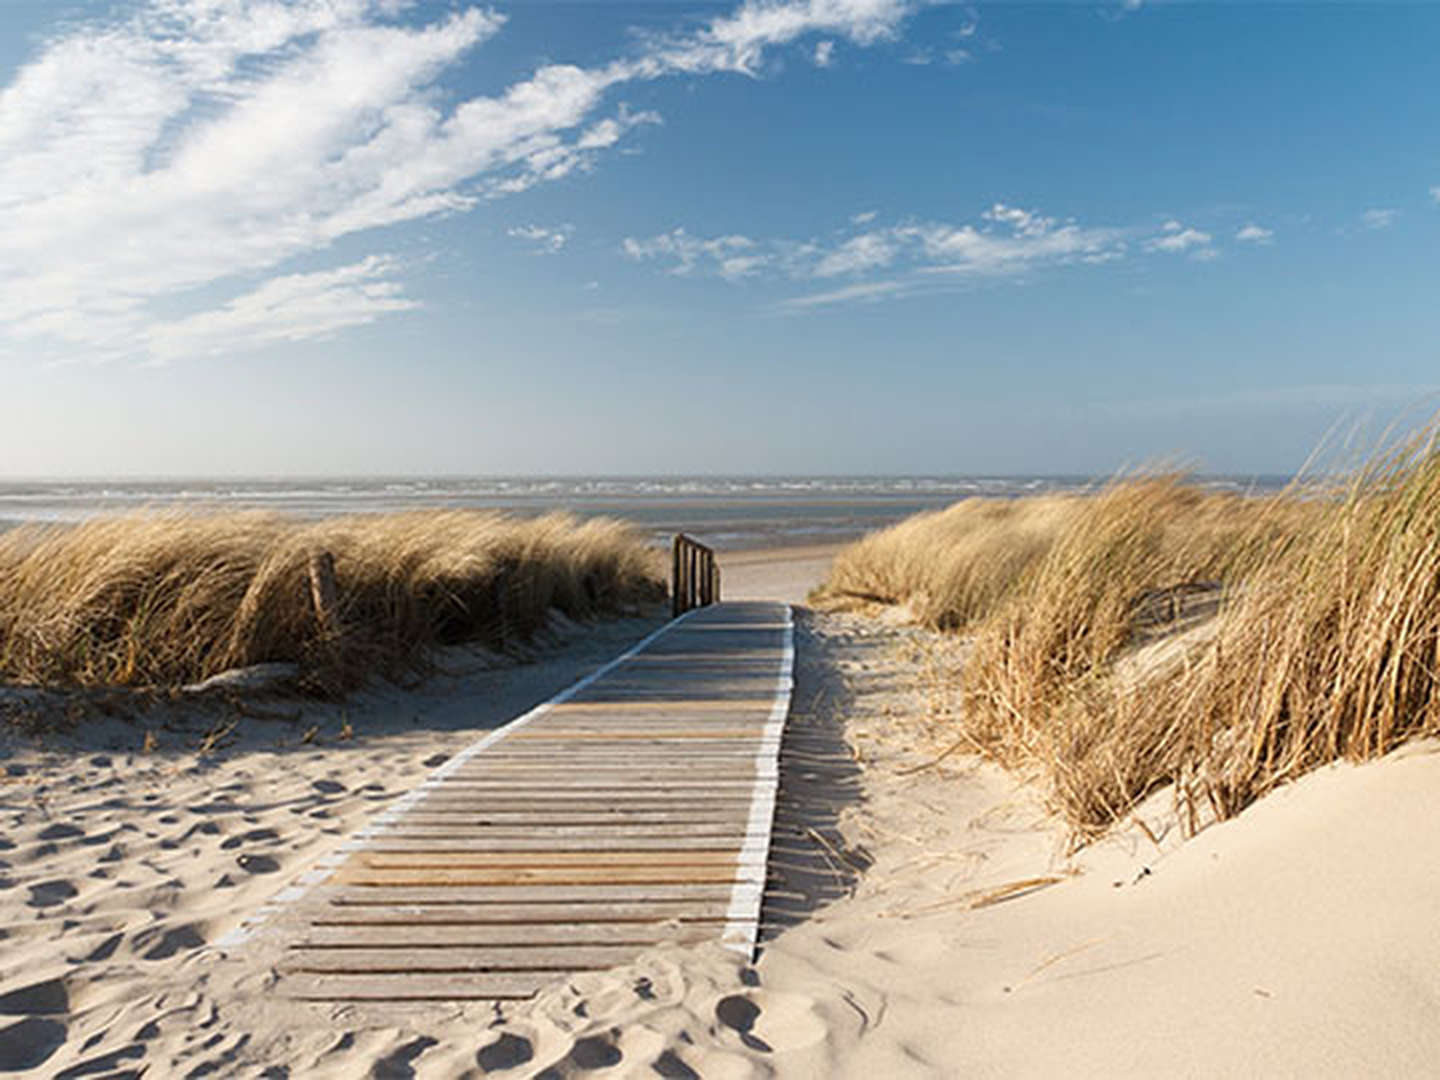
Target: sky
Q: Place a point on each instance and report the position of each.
(256, 237)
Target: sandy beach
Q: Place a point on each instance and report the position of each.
(928, 918)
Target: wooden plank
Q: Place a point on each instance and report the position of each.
(412, 960)
(554, 894)
(549, 860)
(498, 986)
(552, 860)
(440, 815)
(507, 913)
(482, 935)
(631, 844)
(609, 831)
(449, 877)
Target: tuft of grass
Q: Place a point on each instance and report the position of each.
(952, 566)
(162, 599)
(1061, 597)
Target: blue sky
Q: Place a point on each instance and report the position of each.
(360, 236)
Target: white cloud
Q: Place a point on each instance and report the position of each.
(1255, 234)
(731, 257)
(295, 307)
(1379, 218)
(544, 241)
(825, 53)
(207, 142)
(863, 218)
(1435, 193)
(864, 252)
(1177, 238)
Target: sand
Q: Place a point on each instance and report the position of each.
(929, 920)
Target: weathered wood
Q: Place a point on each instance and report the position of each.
(434, 877)
(686, 909)
(410, 959)
(622, 818)
(555, 894)
(548, 860)
(694, 576)
(325, 595)
(727, 842)
(499, 986)
(516, 933)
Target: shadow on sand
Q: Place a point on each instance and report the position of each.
(811, 866)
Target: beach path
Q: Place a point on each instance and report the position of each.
(632, 810)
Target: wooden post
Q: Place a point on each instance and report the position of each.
(325, 595)
(500, 596)
(676, 604)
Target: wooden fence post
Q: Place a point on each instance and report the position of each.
(325, 595)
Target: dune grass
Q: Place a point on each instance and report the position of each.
(163, 599)
(1326, 643)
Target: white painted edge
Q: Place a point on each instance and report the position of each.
(742, 919)
(384, 822)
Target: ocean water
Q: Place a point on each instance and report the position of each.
(728, 512)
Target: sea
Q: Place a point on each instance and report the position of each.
(726, 512)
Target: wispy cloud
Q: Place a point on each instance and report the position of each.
(1435, 193)
(208, 142)
(294, 307)
(543, 241)
(1255, 234)
(824, 53)
(1380, 218)
(915, 256)
(729, 256)
(869, 291)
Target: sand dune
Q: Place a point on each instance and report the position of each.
(926, 922)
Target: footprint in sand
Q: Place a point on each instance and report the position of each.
(506, 1052)
(772, 1022)
(257, 864)
(594, 1052)
(171, 942)
(48, 998)
(328, 787)
(672, 1068)
(29, 1043)
(254, 836)
(397, 1065)
(51, 893)
(60, 831)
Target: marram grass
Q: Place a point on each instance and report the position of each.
(1326, 643)
(157, 600)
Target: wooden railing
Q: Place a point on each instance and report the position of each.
(694, 575)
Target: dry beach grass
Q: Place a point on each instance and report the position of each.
(163, 599)
(1326, 642)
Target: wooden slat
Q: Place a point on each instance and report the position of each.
(473, 936)
(441, 876)
(431, 959)
(553, 894)
(632, 844)
(551, 860)
(498, 986)
(503, 913)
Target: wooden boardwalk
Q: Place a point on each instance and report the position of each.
(633, 809)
